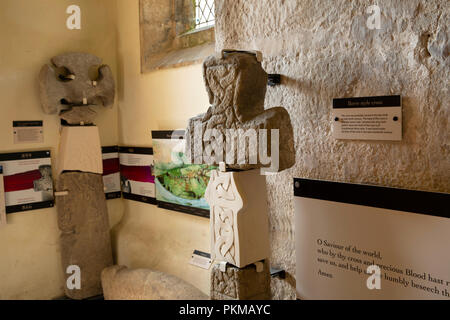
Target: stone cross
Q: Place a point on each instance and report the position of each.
(236, 84)
(70, 87)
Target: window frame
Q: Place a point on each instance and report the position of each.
(197, 8)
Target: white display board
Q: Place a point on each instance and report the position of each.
(342, 229)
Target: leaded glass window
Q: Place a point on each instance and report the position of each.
(204, 13)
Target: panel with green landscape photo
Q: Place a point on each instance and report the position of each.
(180, 186)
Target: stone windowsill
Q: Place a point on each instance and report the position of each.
(189, 48)
(194, 31)
(180, 58)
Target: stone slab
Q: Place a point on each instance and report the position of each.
(121, 283)
(85, 232)
(79, 115)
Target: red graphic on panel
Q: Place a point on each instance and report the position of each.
(137, 173)
(21, 181)
(111, 166)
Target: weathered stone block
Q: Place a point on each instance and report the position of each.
(85, 233)
(79, 115)
(121, 283)
(240, 284)
(73, 81)
(80, 150)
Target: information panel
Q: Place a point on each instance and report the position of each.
(28, 131)
(28, 182)
(180, 186)
(136, 174)
(367, 242)
(111, 172)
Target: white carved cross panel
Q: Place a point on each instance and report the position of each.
(225, 202)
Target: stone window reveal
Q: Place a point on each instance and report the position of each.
(175, 32)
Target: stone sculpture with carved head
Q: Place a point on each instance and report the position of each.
(236, 84)
(70, 87)
(73, 84)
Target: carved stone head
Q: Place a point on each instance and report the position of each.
(73, 83)
(236, 78)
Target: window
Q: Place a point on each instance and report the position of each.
(204, 13)
(175, 32)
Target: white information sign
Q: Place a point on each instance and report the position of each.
(366, 242)
(371, 118)
(28, 132)
(201, 260)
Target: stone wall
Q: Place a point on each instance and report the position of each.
(324, 50)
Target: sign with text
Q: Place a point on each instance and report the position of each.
(136, 174)
(28, 132)
(180, 185)
(369, 118)
(28, 181)
(366, 242)
(111, 172)
(201, 259)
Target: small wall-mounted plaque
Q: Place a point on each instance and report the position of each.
(201, 260)
(28, 132)
(368, 118)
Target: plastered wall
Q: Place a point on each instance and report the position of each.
(32, 32)
(149, 237)
(324, 50)
(146, 237)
